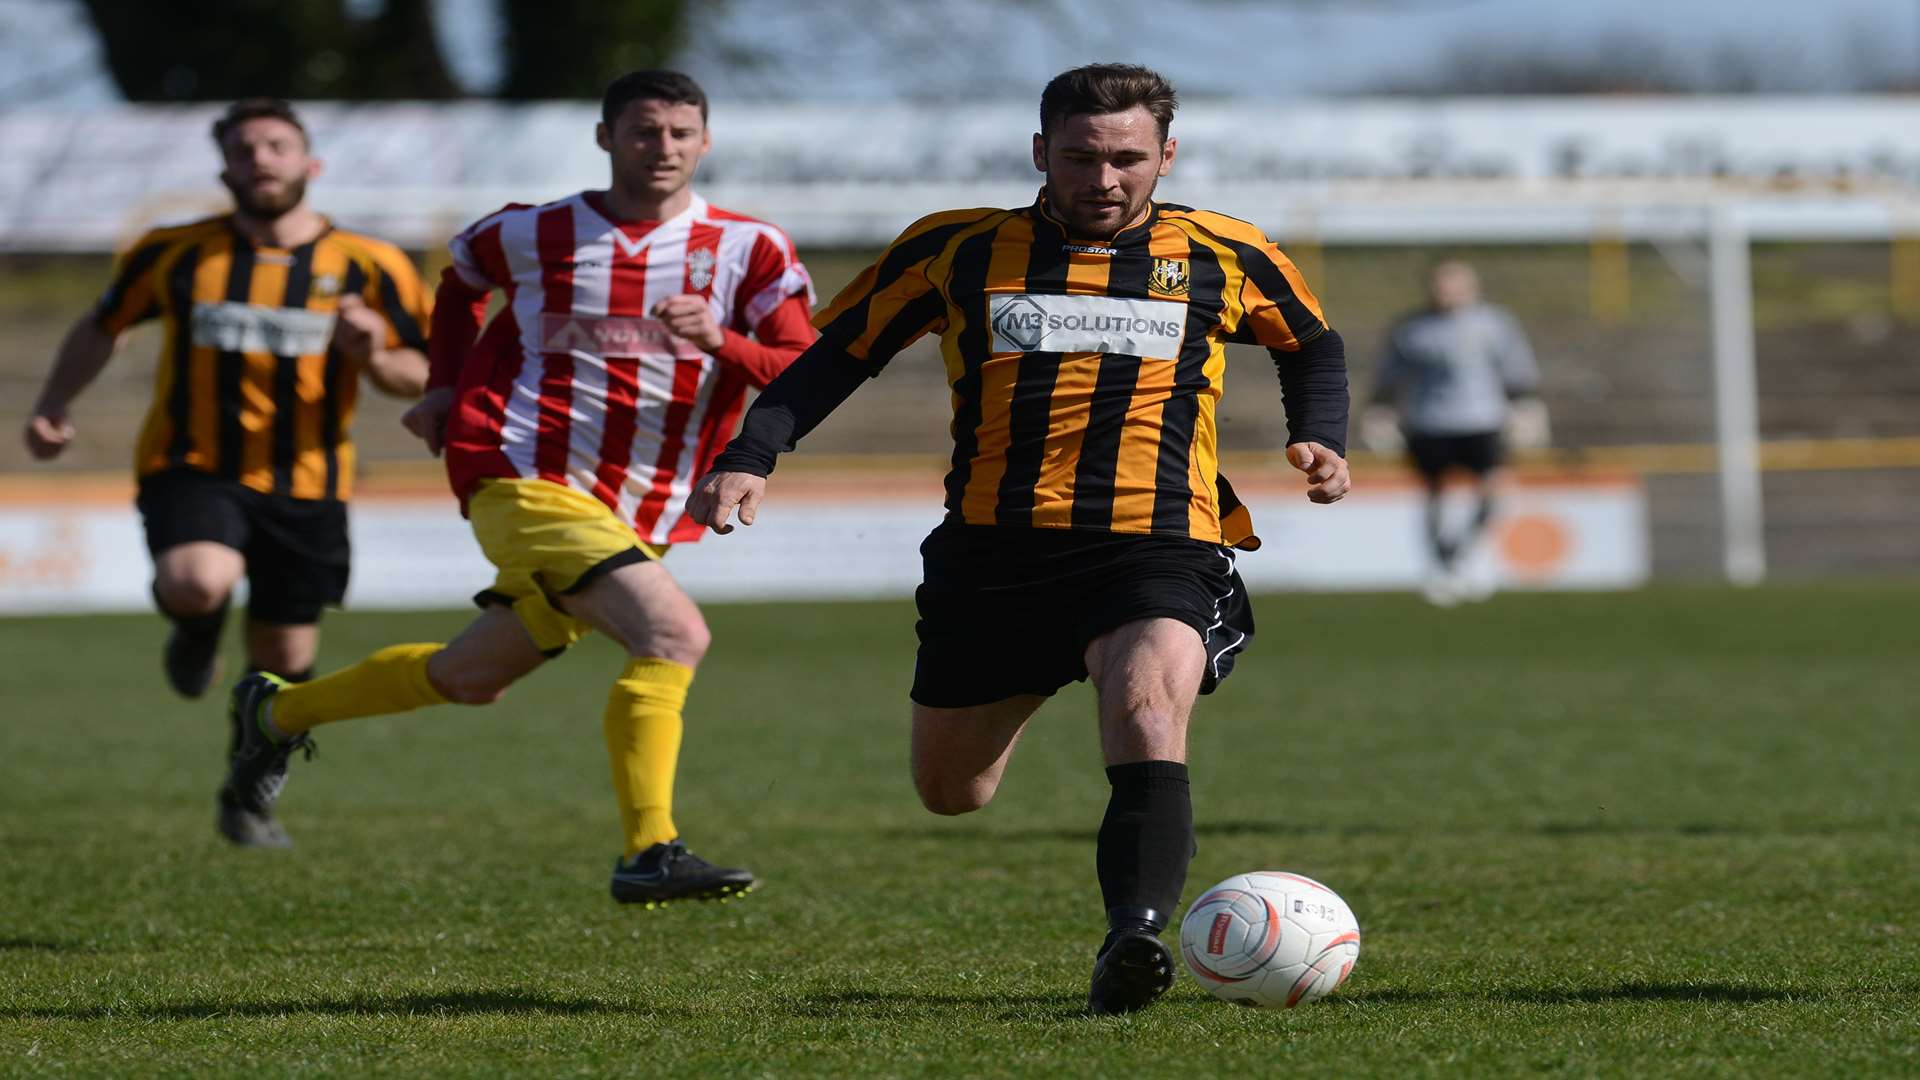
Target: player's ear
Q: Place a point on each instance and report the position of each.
(1040, 151)
(314, 168)
(602, 137)
(1166, 155)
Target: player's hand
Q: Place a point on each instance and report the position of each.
(719, 494)
(1327, 479)
(47, 435)
(1527, 425)
(428, 417)
(691, 317)
(359, 329)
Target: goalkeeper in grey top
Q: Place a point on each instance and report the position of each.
(1459, 379)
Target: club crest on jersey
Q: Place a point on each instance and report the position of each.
(325, 285)
(1170, 277)
(700, 267)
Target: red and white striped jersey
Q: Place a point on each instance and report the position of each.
(575, 383)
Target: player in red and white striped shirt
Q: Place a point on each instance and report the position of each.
(620, 363)
(635, 319)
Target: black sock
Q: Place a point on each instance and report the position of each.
(1482, 514)
(196, 627)
(1146, 842)
(1443, 548)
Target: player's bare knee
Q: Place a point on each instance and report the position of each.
(472, 691)
(1157, 730)
(950, 796)
(189, 594)
(683, 641)
(952, 801)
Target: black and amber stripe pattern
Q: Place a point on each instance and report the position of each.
(249, 386)
(1098, 438)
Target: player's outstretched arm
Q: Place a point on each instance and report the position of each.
(806, 393)
(83, 353)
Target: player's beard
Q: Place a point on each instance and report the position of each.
(1086, 229)
(268, 205)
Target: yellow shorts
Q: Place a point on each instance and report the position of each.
(547, 541)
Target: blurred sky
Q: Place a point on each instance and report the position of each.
(879, 50)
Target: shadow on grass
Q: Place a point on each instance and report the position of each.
(872, 1004)
(1717, 993)
(1206, 828)
(1229, 829)
(477, 1003)
(27, 944)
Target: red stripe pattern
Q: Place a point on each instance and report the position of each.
(577, 383)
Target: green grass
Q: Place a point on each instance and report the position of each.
(1670, 832)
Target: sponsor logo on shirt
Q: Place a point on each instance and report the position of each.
(236, 327)
(1088, 249)
(604, 335)
(1104, 324)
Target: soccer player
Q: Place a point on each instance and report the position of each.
(1087, 532)
(1456, 374)
(615, 370)
(271, 317)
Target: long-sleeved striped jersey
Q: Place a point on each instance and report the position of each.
(577, 383)
(1085, 375)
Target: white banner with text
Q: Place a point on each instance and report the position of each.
(418, 553)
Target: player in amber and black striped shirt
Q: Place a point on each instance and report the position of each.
(271, 315)
(1088, 530)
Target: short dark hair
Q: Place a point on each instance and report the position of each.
(671, 87)
(255, 108)
(1097, 89)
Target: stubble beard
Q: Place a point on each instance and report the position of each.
(1087, 230)
(269, 207)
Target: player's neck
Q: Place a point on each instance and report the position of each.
(630, 206)
(297, 226)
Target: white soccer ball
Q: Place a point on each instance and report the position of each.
(1270, 938)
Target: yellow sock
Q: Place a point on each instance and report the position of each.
(391, 680)
(643, 741)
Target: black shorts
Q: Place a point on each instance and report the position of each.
(296, 549)
(1010, 610)
(1479, 453)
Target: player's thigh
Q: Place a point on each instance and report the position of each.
(196, 529)
(492, 653)
(1146, 674)
(640, 606)
(958, 755)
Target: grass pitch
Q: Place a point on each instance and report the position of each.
(1664, 832)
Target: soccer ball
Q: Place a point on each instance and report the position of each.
(1270, 939)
